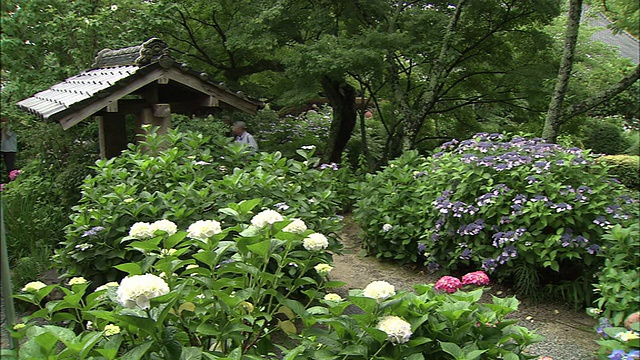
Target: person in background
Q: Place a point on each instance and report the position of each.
(9, 145)
(242, 136)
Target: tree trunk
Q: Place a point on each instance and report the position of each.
(552, 122)
(436, 75)
(342, 97)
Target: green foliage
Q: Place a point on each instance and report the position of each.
(443, 326)
(618, 285)
(232, 295)
(606, 138)
(290, 133)
(625, 168)
(512, 207)
(220, 294)
(185, 177)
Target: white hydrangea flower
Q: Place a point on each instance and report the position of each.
(77, 281)
(398, 330)
(84, 246)
(266, 217)
(323, 269)
(107, 285)
(167, 226)
(332, 297)
(387, 227)
(203, 229)
(379, 290)
(137, 290)
(33, 286)
(111, 329)
(296, 226)
(167, 252)
(315, 242)
(141, 230)
(89, 325)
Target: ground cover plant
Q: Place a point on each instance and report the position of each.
(521, 209)
(183, 177)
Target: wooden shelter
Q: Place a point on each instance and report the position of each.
(143, 80)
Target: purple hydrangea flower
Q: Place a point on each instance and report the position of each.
(93, 231)
(489, 265)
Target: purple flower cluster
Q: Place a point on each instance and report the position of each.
(509, 252)
(332, 166)
(503, 237)
(93, 231)
(517, 152)
(489, 265)
(457, 209)
(472, 229)
(568, 240)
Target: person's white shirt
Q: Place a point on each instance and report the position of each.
(246, 138)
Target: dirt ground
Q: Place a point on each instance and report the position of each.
(556, 322)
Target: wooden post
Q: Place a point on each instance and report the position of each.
(113, 134)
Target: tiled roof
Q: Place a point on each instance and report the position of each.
(74, 90)
(116, 73)
(628, 45)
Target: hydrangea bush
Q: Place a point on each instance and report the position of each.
(518, 208)
(182, 177)
(261, 294)
(618, 282)
(203, 293)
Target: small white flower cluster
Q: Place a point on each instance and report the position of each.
(143, 230)
(107, 285)
(111, 329)
(315, 242)
(332, 297)
(379, 290)
(203, 229)
(398, 330)
(266, 217)
(167, 252)
(33, 286)
(84, 246)
(323, 269)
(296, 226)
(137, 290)
(77, 281)
(387, 227)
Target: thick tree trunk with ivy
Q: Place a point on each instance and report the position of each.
(552, 122)
(342, 97)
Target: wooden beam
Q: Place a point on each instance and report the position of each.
(113, 107)
(76, 117)
(112, 133)
(209, 89)
(210, 101)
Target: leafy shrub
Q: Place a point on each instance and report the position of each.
(617, 343)
(232, 295)
(625, 168)
(606, 138)
(181, 177)
(521, 208)
(442, 326)
(619, 281)
(219, 293)
(290, 133)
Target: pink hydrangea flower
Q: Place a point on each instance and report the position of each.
(476, 278)
(14, 174)
(1, 187)
(449, 284)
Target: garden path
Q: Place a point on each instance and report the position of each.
(569, 334)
